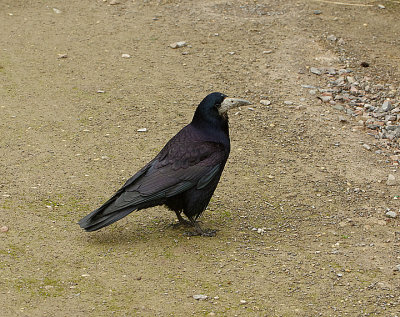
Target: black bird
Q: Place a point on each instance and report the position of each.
(183, 176)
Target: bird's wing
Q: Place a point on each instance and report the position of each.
(179, 166)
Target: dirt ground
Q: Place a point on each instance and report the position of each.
(322, 244)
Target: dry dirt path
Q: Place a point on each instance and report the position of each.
(300, 177)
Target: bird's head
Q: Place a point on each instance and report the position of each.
(214, 108)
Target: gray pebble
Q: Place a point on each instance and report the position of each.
(331, 38)
(286, 102)
(325, 98)
(200, 297)
(317, 12)
(265, 102)
(386, 106)
(391, 180)
(315, 71)
(338, 107)
(178, 44)
(366, 146)
(391, 214)
(308, 86)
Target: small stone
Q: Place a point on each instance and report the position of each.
(265, 102)
(100, 91)
(142, 130)
(338, 107)
(343, 119)
(391, 180)
(397, 267)
(200, 297)
(325, 98)
(366, 146)
(60, 56)
(391, 214)
(386, 106)
(308, 86)
(331, 38)
(57, 11)
(288, 103)
(315, 71)
(242, 302)
(267, 52)
(125, 56)
(4, 229)
(178, 44)
(350, 80)
(85, 275)
(317, 12)
(114, 2)
(339, 275)
(381, 6)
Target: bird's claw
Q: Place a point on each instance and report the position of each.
(181, 223)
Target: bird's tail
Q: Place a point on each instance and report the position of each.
(101, 217)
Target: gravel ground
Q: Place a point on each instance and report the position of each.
(307, 210)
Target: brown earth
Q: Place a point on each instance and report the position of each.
(324, 248)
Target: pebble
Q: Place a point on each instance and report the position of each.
(331, 38)
(178, 44)
(381, 6)
(317, 12)
(57, 11)
(242, 302)
(287, 102)
(366, 146)
(308, 86)
(386, 106)
(125, 56)
(397, 267)
(60, 56)
(4, 229)
(267, 52)
(114, 2)
(325, 98)
(200, 297)
(315, 71)
(391, 214)
(391, 180)
(142, 130)
(265, 102)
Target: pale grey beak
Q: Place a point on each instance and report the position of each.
(230, 103)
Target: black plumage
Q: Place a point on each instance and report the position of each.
(183, 176)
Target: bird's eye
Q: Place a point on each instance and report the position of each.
(218, 105)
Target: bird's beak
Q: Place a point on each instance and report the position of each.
(230, 103)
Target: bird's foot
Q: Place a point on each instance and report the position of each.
(181, 223)
(200, 232)
(203, 233)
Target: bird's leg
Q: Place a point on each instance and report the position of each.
(182, 221)
(199, 231)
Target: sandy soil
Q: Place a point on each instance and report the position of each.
(324, 248)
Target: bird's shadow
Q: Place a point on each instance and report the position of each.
(136, 234)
